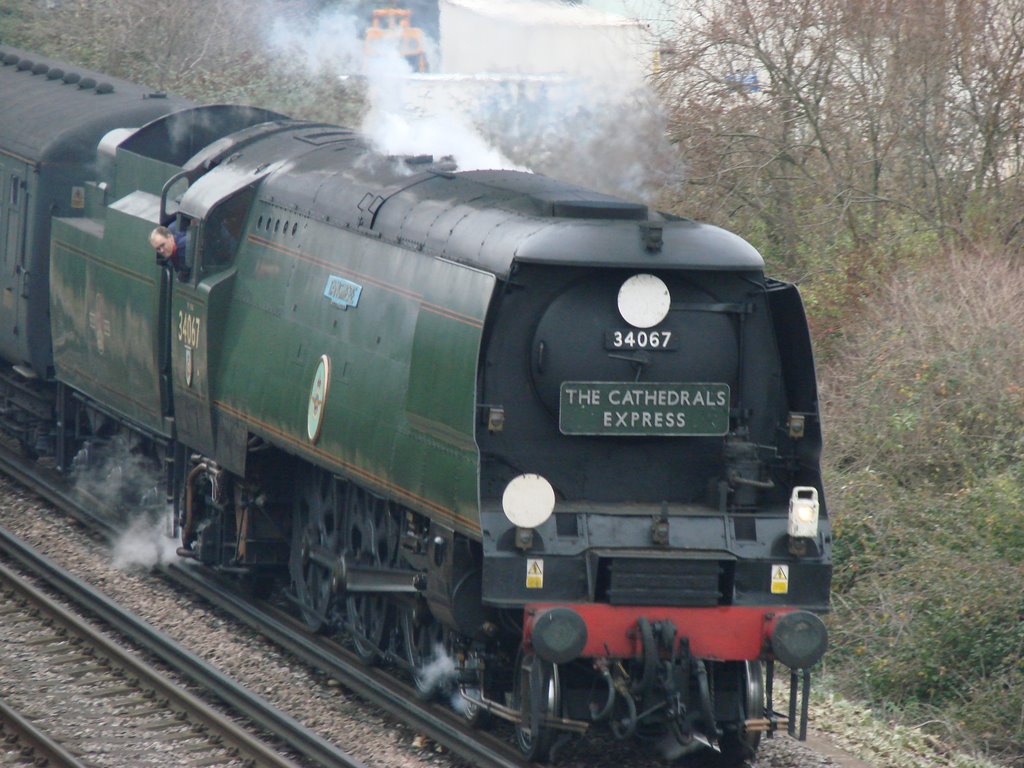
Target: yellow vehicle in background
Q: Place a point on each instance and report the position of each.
(391, 28)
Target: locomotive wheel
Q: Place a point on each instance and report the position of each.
(424, 641)
(314, 526)
(373, 540)
(741, 745)
(537, 696)
(369, 621)
(473, 693)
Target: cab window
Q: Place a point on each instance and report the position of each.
(222, 231)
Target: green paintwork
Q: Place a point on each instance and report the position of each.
(245, 338)
(15, 241)
(105, 295)
(391, 421)
(104, 306)
(138, 172)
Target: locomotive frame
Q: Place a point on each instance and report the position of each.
(571, 442)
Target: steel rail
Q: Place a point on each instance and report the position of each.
(258, 711)
(439, 724)
(247, 744)
(34, 739)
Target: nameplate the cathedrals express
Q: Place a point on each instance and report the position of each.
(643, 408)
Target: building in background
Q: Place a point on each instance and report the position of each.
(660, 16)
(530, 37)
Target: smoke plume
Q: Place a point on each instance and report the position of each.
(607, 134)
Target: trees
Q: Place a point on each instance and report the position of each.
(209, 52)
(846, 121)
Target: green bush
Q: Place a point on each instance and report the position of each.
(925, 416)
(934, 622)
(998, 504)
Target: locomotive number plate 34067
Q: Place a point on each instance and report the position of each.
(639, 339)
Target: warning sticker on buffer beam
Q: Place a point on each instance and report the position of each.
(643, 408)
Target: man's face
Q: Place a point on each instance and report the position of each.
(164, 246)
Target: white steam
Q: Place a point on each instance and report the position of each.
(397, 125)
(438, 673)
(146, 544)
(607, 134)
(126, 484)
(331, 44)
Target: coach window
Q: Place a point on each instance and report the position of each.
(222, 232)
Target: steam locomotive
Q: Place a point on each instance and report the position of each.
(569, 441)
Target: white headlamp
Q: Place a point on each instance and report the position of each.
(528, 501)
(803, 512)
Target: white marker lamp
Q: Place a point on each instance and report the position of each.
(528, 502)
(803, 513)
(644, 300)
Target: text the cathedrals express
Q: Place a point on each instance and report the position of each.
(644, 408)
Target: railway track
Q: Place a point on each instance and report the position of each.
(21, 740)
(73, 692)
(435, 721)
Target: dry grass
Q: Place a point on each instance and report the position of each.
(925, 416)
(930, 385)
